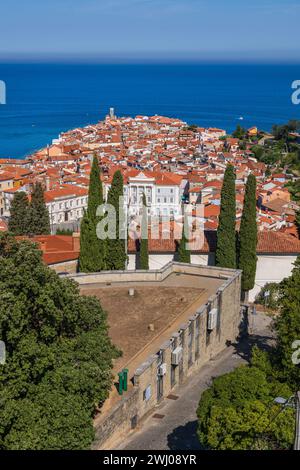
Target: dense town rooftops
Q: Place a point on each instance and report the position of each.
(166, 151)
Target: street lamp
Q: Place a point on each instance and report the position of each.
(285, 402)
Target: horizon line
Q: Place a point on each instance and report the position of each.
(154, 61)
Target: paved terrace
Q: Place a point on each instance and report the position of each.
(166, 303)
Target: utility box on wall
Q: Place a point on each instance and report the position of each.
(176, 357)
(162, 370)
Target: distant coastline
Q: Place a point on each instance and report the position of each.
(46, 99)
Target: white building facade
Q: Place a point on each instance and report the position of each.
(66, 206)
(163, 197)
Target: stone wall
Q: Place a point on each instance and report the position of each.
(156, 378)
(197, 342)
(105, 277)
(69, 267)
(120, 419)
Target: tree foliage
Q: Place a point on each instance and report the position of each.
(90, 256)
(287, 325)
(240, 132)
(184, 254)
(58, 354)
(116, 254)
(269, 295)
(281, 132)
(64, 231)
(38, 222)
(92, 248)
(248, 236)
(18, 214)
(226, 235)
(95, 198)
(29, 218)
(238, 413)
(144, 253)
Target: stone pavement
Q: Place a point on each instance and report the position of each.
(176, 430)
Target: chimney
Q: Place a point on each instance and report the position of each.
(76, 241)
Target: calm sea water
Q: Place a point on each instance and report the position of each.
(45, 99)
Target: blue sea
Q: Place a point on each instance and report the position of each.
(45, 99)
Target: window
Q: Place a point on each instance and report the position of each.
(171, 200)
(197, 337)
(158, 190)
(147, 393)
(190, 344)
(173, 367)
(158, 200)
(171, 191)
(165, 200)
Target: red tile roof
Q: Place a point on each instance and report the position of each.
(61, 193)
(59, 248)
(277, 242)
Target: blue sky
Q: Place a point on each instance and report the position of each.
(109, 30)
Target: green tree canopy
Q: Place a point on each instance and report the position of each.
(238, 413)
(116, 254)
(184, 254)
(93, 250)
(239, 132)
(287, 325)
(90, 256)
(226, 235)
(58, 354)
(144, 254)
(281, 132)
(248, 236)
(38, 222)
(64, 231)
(18, 223)
(269, 295)
(95, 198)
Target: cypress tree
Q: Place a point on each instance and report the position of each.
(92, 249)
(89, 258)
(226, 236)
(38, 222)
(184, 255)
(144, 254)
(18, 214)
(95, 191)
(116, 255)
(248, 236)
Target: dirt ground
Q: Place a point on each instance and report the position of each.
(129, 317)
